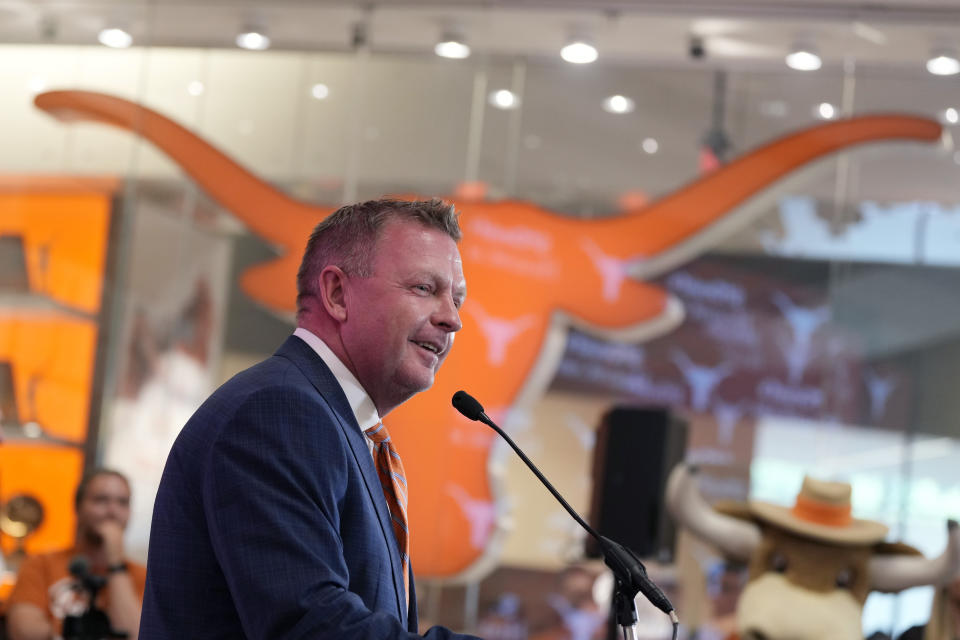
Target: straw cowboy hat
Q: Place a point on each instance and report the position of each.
(821, 511)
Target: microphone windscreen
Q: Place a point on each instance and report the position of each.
(467, 405)
(79, 566)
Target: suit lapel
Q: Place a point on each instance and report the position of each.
(413, 624)
(319, 375)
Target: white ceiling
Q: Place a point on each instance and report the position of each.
(403, 122)
(745, 32)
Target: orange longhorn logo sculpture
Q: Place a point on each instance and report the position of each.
(532, 274)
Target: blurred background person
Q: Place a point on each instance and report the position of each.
(506, 620)
(578, 615)
(46, 592)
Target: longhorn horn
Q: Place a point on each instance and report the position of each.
(685, 222)
(701, 202)
(735, 538)
(235, 188)
(894, 573)
(666, 232)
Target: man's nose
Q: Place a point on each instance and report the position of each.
(448, 316)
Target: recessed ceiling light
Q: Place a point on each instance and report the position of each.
(826, 111)
(253, 39)
(452, 44)
(452, 49)
(504, 99)
(951, 115)
(943, 63)
(618, 104)
(804, 58)
(579, 51)
(195, 88)
(115, 37)
(650, 145)
(320, 91)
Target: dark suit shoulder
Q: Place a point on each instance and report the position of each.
(269, 414)
(275, 377)
(273, 397)
(275, 373)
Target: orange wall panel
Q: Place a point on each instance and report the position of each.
(54, 354)
(48, 336)
(64, 241)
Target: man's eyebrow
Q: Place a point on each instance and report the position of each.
(437, 278)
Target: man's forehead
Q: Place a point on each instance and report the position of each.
(106, 484)
(405, 236)
(455, 279)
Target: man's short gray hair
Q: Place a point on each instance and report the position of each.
(348, 237)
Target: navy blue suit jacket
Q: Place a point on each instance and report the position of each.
(270, 521)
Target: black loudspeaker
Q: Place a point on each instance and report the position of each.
(635, 450)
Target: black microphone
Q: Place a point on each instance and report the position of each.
(468, 406)
(79, 568)
(92, 624)
(625, 564)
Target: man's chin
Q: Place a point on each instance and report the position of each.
(416, 382)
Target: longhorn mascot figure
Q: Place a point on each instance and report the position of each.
(811, 565)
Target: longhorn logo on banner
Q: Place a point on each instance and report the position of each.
(532, 274)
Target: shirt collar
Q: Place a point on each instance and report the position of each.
(360, 402)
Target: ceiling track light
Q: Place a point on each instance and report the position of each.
(579, 50)
(115, 38)
(452, 45)
(503, 99)
(943, 62)
(320, 91)
(253, 38)
(825, 111)
(804, 57)
(618, 104)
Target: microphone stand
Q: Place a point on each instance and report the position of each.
(92, 624)
(630, 576)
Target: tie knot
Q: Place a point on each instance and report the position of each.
(378, 433)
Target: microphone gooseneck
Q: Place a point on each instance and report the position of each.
(626, 565)
(471, 408)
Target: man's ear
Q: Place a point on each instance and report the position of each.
(331, 291)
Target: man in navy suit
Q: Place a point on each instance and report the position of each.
(271, 521)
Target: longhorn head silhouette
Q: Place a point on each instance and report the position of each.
(524, 265)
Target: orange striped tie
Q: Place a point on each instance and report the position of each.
(394, 483)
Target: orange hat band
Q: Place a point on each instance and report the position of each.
(830, 515)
